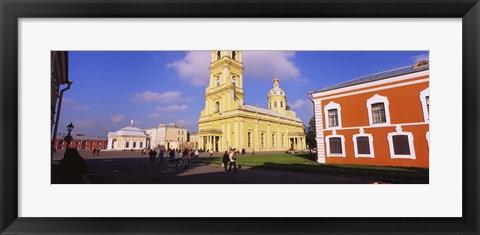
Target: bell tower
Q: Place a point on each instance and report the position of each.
(277, 100)
(225, 88)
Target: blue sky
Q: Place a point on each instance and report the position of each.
(112, 87)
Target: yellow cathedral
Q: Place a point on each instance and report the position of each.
(227, 122)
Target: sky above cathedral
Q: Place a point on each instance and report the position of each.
(112, 87)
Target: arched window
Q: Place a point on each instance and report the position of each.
(217, 107)
(233, 54)
(281, 104)
(217, 81)
(422, 63)
(234, 80)
(378, 111)
(333, 113)
(218, 55)
(425, 100)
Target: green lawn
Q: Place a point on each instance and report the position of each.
(305, 162)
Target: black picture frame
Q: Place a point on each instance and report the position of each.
(11, 11)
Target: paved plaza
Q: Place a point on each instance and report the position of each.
(134, 168)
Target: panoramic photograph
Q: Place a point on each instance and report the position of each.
(240, 117)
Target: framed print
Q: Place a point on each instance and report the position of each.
(239, 117)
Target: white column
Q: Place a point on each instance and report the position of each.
(319, 131)
(109, 146)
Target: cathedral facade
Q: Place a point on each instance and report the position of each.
(227, 122)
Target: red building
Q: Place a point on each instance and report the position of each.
(379, 119)
(82, 142)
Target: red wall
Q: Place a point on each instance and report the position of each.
(82, 144)
(405, 108)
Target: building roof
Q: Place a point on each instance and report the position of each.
(165, 126)
(417, 67)
(129, 131)
(266, 111)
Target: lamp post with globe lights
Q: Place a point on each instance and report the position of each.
(69, 137)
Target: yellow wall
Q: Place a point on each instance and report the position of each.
(234, 132)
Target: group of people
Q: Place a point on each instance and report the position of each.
(96, 151)
(182, 158)
(230, 158)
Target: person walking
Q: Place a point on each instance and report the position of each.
(94, 151)
(150, 154)
(186, 159)
(196, 153)
(154, 154)
(225, 160)
(98, 151)
(243, 152)
(160, 157)
(172, 155)
(211, 152)
(233, 159)
(178, 157)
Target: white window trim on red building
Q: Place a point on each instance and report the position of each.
(399, 131)
(327, 142)
(378, 99)
(370, 141)
(427, 136)
(423, 100)
(329, 106)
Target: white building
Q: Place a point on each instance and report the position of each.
(168, 136)
(128, 138)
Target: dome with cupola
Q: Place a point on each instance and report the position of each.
(276, 90)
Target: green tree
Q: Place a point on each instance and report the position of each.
(311, 141)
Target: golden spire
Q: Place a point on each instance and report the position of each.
(275, 80)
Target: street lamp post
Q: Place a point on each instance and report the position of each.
(69, 137)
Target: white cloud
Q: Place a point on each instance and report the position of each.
(173, 107)
(149, 96)
(298, 104)
(265, 64)
(193, 68)
(420, 57)
(117, 118)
